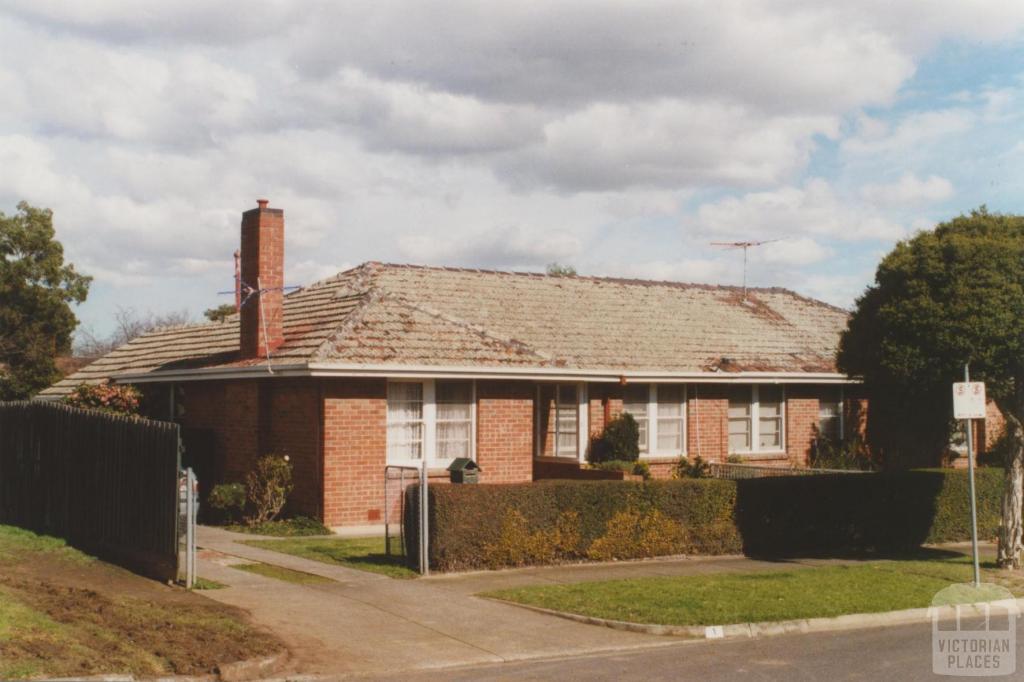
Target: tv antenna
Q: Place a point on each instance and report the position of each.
(744, 246)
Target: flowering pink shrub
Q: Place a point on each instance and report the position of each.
(117, 398)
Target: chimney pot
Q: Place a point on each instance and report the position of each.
(262, 203)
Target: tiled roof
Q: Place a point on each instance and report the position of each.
(405, 315)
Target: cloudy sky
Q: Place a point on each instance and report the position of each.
(619, 137)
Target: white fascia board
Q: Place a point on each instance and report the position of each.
(210, 373)
(455, 372)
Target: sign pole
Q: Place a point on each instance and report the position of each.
(970, 483)
(424, 520)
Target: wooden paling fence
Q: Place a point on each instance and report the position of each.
(105, 483)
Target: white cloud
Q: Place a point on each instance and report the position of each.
(912, 131)
(610, 146)
(909, 189)
(810, 210)
(505, 136)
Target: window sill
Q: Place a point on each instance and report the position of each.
(774, 454)
(662, 457)
(558, 460)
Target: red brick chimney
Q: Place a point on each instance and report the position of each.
(262, 328)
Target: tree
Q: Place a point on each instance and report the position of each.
(220, 313)
(128, 325)
(946, 297)
(36, 290)
(559, 270)
(115, 398)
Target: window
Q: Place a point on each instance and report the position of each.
(740, 427)
(405, 421)
(830, 416)
(757, 419)
(454, 419)
(671, 418)
(769, 402)
(660, 412)
(559, 420)
(430, 421)
(635, 401)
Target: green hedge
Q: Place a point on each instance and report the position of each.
(491, 526)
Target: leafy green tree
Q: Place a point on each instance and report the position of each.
(220, 313)
(36, 290)
(948, 296)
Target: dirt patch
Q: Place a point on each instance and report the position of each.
(68, 615)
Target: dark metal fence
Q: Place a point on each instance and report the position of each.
(106, 483)
(736, 472)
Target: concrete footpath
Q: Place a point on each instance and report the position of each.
(364, 623)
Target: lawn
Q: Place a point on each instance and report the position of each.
(365, 554)
(727, 598)
(281, 573)
(64, 613)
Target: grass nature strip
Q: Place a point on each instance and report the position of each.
(64, 613)
(364, 554)
(827, 591)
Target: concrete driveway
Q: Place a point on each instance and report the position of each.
(365, 623)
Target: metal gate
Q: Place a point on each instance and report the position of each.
(396, 480)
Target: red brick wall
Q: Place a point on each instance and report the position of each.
(707, 431)
(257, 417)
(504, 431)
(231, 410)
(354, 451)
(801, 423)
(290, 425)
(338, 444)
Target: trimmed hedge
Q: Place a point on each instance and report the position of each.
(494, 526)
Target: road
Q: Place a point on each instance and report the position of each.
(895, 653)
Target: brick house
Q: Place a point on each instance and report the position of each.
(400, 364)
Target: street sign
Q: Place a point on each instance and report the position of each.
(969, 400)
(968, 404)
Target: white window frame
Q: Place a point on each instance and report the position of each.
(582, 424)
(652, 403)
(841, 415)
(430, 458)
(755, 426)
(652, 451)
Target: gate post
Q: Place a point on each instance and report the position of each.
(424, 522)
(190, 528)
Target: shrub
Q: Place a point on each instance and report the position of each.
(847, 454)
(637, 468)
(469, 524)
(489, 526)
(633, 534)
(620, 440)
(116, 398)
(695, 468)
(519, 545)
(995, 454)
(285, 528)
(228, 499)
(267, 487)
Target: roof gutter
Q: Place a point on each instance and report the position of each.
(457, 372)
